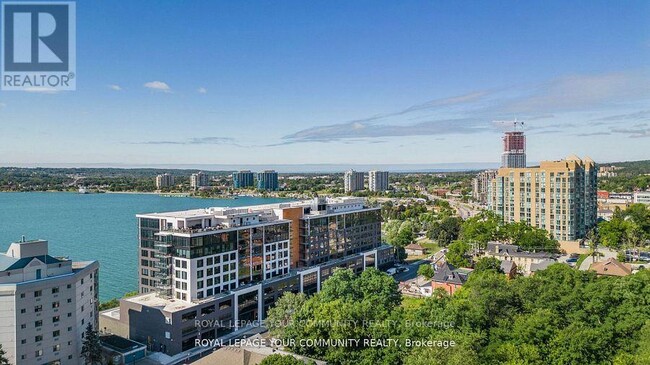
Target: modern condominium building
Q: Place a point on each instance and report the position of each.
(231, 264)
(353, 181)
(267, 180)
(45, 304)
(164, 181)
(242, 179)
(378, 180)
(199, 180)
(514, 150)
(480, 185)
(558, 196)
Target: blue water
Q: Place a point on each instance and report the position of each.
(99, 227)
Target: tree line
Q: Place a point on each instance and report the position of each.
(558, 316)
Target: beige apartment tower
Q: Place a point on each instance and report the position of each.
(45, 304)
(558, 196)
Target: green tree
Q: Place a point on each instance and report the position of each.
(613, 233)
(482, 228)
(277, 359)
(91, 349)
(487, 263)
(3, 359)
(445, 230)
(279, 316)
(457, 254)
(426, 270)
(405, 234)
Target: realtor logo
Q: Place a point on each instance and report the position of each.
(38, 46)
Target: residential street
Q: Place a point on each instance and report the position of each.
(607, 253)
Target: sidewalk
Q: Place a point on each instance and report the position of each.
(607, 253)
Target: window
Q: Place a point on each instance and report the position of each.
(69, 286)
(22, 295)
(38, 293)
(23, 310)
(56, 333)
(55, 290)
(56, 319)
(23, 341)
(38, 323)
(38, 338)
(39, 353)
(56, 348)
(55, 304)
(38, 308)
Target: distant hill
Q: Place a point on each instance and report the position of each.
(633, 175)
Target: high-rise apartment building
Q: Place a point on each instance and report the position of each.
(242, 179)
(199, 180)
(164, 181)
(378, 180)
(480, 185)
(45, 304)
(353, 181)
(267, 180)
(558, 196)
(514, 150)
(231, 264)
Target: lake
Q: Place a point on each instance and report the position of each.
(99, 227)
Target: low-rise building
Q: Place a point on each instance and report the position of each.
(642, 197)
(541, 265)
(414, 249)
(46, 303)
(449, 278)
(523, 259)
(611, 267)
(122, 351)
(509, 268)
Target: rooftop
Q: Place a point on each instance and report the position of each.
(251, 209)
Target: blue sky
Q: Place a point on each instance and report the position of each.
(358, 82)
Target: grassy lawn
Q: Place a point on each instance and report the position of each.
(411, 303)
(431, 246)
(581, 259)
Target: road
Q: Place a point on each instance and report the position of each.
(607, 253)
(464, 210)
(411, 273)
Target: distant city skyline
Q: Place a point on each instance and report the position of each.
(262, 85)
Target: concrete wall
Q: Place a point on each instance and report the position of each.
(572, 247)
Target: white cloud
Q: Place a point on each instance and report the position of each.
(202, 90)
(41, 90)
(115, 87)
(3, 105)
(158, 86)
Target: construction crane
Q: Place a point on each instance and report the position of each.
(515, 123)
